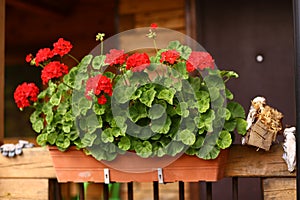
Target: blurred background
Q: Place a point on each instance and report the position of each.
(254, 38)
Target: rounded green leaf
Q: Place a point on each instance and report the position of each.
(224, 140)
(124, 143)
(187, 137)
(241, 126)
(143, 149)
(236, 110)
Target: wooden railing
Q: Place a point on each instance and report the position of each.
(32, 176)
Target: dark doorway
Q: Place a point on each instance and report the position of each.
(239, 33)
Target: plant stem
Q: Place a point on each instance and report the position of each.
(73, 58)
(155, 46)
(101, 48)
(68, 85)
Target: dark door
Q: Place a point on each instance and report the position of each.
(236, 33)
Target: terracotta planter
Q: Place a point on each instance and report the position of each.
(74, 166)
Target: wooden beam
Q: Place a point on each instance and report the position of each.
(2, 45)
(246, 161)
(33, 163)
(279, 188)
(25, 189)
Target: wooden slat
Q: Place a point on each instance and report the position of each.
(25, 189)
(34, 163)
(172, 19)
(136, 6)
(2, 45)
(279, 188)
(245, 161)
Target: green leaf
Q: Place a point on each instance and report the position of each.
(241, 126)
(224, 140)
(38, 125)
(107, 135)
(88, 139)
(187, 137)
(182, 109)
(203, 101)
(174, 148)
(124, 143)
(73, 135)
(167, 94)
(229, 74)
(199, 142)
(98, 62)
(237, 111)
(42, 139)
(62, 142)
(147, 96)
(212, 154)
(205, 120)
(99, 109)
(228, 94)
(184, 51)
(143, 149)
(51, 137)
(214, 81)
(84, 63)
(214, 93)
(156, 111)
(84, 105)
(180, 71)
(137, 111)
(230, 125)
(123, 94)
(161, 125)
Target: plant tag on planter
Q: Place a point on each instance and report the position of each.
(160, 175)
(106, 176)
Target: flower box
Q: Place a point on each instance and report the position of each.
(75, 166)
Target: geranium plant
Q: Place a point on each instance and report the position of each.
(170, 102)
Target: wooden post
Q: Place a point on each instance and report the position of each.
(296, 7)
(2, 32)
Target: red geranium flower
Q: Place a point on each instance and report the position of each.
(52, 70)
(137, 62)
(169, 56)
(25, 94)
(29, 58)
(115, 57)
(153, 26)
(62, 47)
(98, 85)
(43, 55)
(102, 100)
(199, 60)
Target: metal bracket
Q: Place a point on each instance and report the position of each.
(160, 175)
(106, 176)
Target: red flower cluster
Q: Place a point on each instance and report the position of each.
(169, 57)
(43, 55)
(99, 86)
(61, 47)
(137, 62)
(199, 60)
(115, 57)
(52, 70)
(25, 94)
